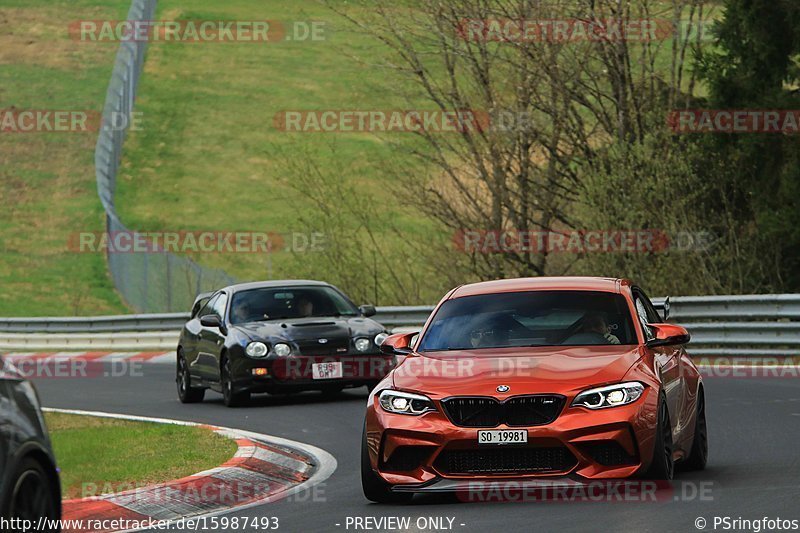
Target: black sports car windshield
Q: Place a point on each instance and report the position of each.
(294, 302)
(533, 318)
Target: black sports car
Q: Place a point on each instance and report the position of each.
(29, 484)
(278, 337)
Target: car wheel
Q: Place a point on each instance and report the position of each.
(230, 396)
(187, 393)
(32, 495)
(376, 489)
(662, 466)
(698, 456)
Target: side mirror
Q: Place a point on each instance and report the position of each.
(398, 344)
(210, 321)
(668, 335)
(368, 310)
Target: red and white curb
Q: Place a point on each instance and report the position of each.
(263, 470)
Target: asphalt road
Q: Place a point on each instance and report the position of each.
(753, 470)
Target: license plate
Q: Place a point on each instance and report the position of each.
(327, 370)
(503, 436)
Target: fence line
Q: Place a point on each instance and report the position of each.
(148, 282)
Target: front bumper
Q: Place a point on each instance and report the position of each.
(429, 453)
(296, 372)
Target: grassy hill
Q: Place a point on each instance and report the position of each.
(210, 158)
(47, 183)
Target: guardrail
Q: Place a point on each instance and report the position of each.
(762, 325)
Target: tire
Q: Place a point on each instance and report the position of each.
(662, 466)
(187, 393)
(376, 489)
(231, 397)
(698, 456)
(32, 494)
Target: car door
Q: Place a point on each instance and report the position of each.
(204, 360)
(667, 358)
(5, 423)
(212, 340)
(190, 340)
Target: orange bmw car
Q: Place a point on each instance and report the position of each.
(547, 380)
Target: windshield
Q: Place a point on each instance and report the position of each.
(295, 302)
(535, 318)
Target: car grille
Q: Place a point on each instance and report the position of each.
(333, 346)
(407, 458)
(505, 460)
(519, 411)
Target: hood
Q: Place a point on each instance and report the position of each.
(310, 328)
(554, 369)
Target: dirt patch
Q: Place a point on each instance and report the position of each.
(40, 36)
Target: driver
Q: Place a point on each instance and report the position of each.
(304, 307)
(596, 323)
(241, 313)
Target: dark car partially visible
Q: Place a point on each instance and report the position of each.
(30, 489)
(278, 337)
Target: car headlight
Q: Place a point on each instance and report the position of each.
(380, 337)
(281, 349)
(610, 396)
(256, 349)
(362, 345)
(405, 403)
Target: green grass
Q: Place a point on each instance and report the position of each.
(47, 182)
(107, 455)
(209, 156)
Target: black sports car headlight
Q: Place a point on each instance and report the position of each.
(609, 396)
(361, 344)
(405, 403)
(256, 350)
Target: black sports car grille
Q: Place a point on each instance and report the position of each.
(519, 411)
(609, 453)
(332, 346)
(505, 460)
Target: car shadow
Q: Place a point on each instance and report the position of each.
(300, 398)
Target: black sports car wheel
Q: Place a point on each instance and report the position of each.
(187, 393)
(375, 489)
(698, 456)
(230, 396)
(32, 494)
(662, 465)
